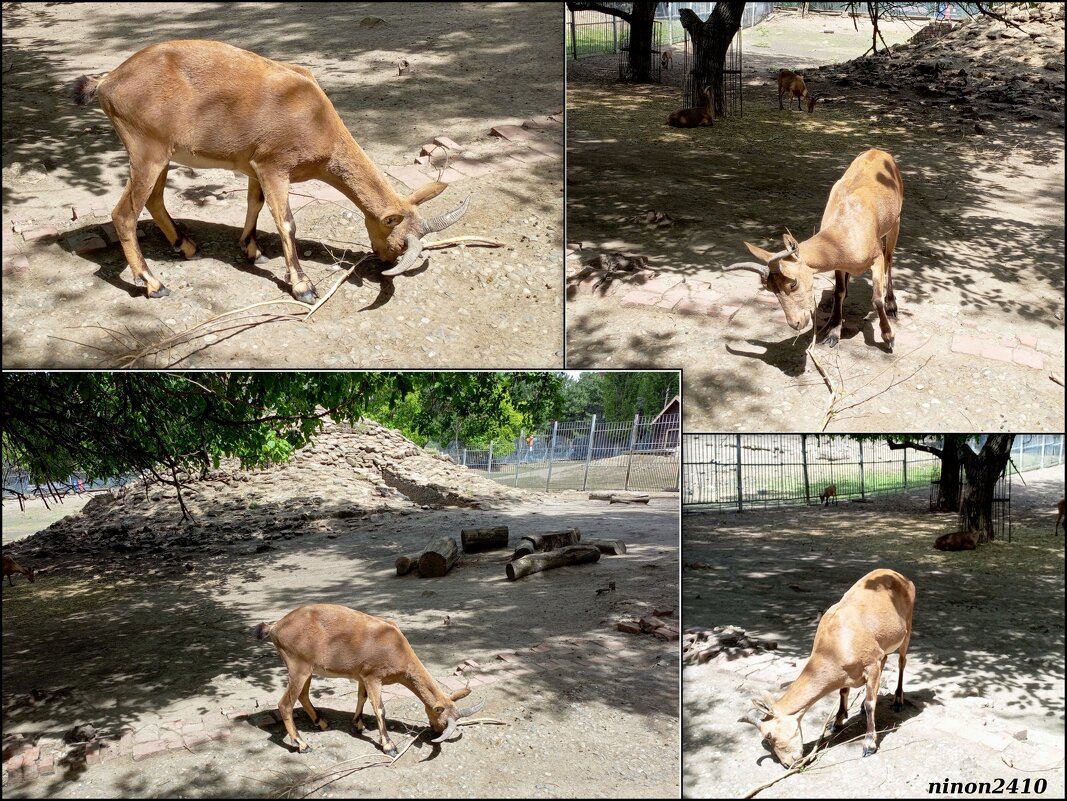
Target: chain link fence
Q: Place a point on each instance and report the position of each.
(743, 471)
(636, 455)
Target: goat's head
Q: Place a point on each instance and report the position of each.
(397, 234)
(812, 100)
(444, 717)
(781, 733)
(785, 275)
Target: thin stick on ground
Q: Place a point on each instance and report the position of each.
(334, 288)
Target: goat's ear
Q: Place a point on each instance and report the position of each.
(752, 716)
(766, 702)
(461, 693)
(761, 254)
(790, 241)
(393, 219)
(427, 192)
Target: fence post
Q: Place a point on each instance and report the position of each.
(738, 448)
(589, 453)
(489, 467)
(464, 457)
(630, 460)
(1042, 450)
(804, 456)
(518, 454)
(614, 34)
(861, 470)
(574, 38)
(551, 451)
(905, 469)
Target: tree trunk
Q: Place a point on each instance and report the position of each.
(642, 23)
(711, 39)
(535, 563)
(484, 539)
(438, 558)
(546, 541)
(610, 547)
(948, 487)
(983, 470)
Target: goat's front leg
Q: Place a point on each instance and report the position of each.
(842, 710)
(890, 246)
(878, 280)
(275, 184)
(874, 677)
(833, 326)
(374, 692)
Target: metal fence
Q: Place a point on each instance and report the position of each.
(639, 454)
(941, 11)
(734, 472)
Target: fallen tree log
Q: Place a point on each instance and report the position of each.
(550, 560)
(628, 499)
(483, 539)
(438, 557)
(536, 542)
(407, 562)
(610, 547)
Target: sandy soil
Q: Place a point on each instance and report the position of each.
(469, 307)
(139, 619)
(986, 657)
(20, 523)
(980, 253)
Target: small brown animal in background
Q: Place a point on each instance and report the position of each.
(11, 566)
(1059, 519)
(666, 59)
(829, 492)
(792, 84)
(956, 541)
(696, 116)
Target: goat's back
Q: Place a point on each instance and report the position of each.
(191, 93)
(872, 618)
(340, 640)
(872, 186)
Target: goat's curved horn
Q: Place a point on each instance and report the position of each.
(411, 255)
(466, 712)
(448, 733)
(773, 265)
(760, 269)
(433, 224)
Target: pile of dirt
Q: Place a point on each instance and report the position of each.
(346, 472)
(982, 67)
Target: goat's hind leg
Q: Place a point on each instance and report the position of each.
(145, 169)
(297, 683)
(305, 700)
(172, 230)
(357, 719)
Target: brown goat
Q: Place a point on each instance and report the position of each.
(11, 567)
(209, 104)
(335, 641)
(853, 640)
(667, 59)
(1059, 517)
(696, 116)
(789, 83)
(829, 492)
(956, 541)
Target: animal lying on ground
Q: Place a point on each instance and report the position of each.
(789, 83)
(335, 641)
(956, 541)
(859, 231)
(695, 116)
(11, 567)
(852, 643)
(209, 104)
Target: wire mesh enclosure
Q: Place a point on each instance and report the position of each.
(637, 455)
(695, 80)
(625, 70)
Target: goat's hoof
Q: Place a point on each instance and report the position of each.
(303, 748)
(898, 706)
(162, 292)
(260, 259)
(831, 341)
(391, 750)
(889, 346)
(867, 751)
(322, 724)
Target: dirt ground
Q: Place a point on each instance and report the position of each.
(984, 681)
(19, 523)
(980, 255)
(470, 307)
(184, 650)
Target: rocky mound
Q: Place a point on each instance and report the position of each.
(981, 67)
(347, 472)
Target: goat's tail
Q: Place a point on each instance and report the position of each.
(83, 89)
(262, 630)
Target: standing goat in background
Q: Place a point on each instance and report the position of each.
(11, 567)
(1059, 518)
(789, 83)
(830, 491)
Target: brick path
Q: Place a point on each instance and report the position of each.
(26, 757)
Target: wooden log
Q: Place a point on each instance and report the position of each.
(550, 560)
(600, 496)
(610, 547)
(440, 554)
(407, 562)
(628, 499)
(483, 539)
(538, 541)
